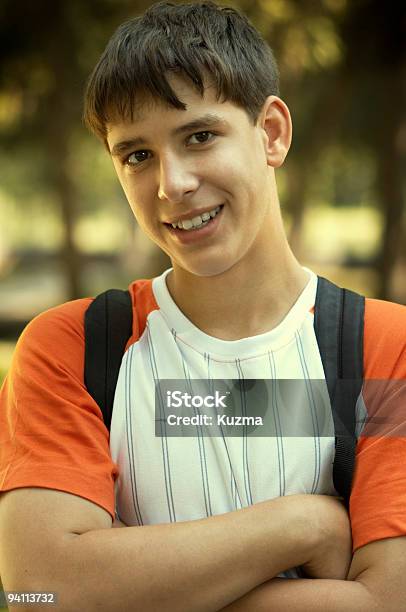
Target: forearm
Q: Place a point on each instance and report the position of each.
(309, 595)
(194, 566)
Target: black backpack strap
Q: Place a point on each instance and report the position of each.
(108, 326)
(339, 327)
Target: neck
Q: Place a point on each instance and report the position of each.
(240, 303)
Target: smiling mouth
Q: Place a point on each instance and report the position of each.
(196, 223)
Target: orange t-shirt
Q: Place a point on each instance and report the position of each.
(378, 496)
(52, 432)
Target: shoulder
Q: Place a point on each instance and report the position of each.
(384, 339)
(382, 317)
(66, 316)
(57, 334)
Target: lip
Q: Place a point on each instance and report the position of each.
(191, 214)
(192, 236)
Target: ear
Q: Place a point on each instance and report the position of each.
(276, 124)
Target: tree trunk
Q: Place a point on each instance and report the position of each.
(389, 179)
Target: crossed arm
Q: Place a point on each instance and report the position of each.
(376, 581)
(227, 562)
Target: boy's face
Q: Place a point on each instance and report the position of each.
(171, 168)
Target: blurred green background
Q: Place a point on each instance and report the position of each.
(66, 230)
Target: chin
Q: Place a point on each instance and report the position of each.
(206, 268)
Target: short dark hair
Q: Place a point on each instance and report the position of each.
(192, 40)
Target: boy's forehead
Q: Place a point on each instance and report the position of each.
(145, 103)
(206, 110)
(140, 131)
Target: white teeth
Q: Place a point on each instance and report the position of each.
(197, 221)
(187, 224)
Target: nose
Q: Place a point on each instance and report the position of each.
(176, 179)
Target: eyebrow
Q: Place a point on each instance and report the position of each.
(205, 121)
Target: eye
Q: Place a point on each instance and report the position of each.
(201, 137)
(136, 158)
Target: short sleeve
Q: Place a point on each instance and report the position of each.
(378, 498)
(52, 432)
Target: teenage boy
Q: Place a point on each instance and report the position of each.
(186, 101)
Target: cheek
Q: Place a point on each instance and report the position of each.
(140, 213)
(125, 186)
(238, 165)
(140, 200)
(145, 213)
(130, 192)
(238, 175)
(135, 198)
